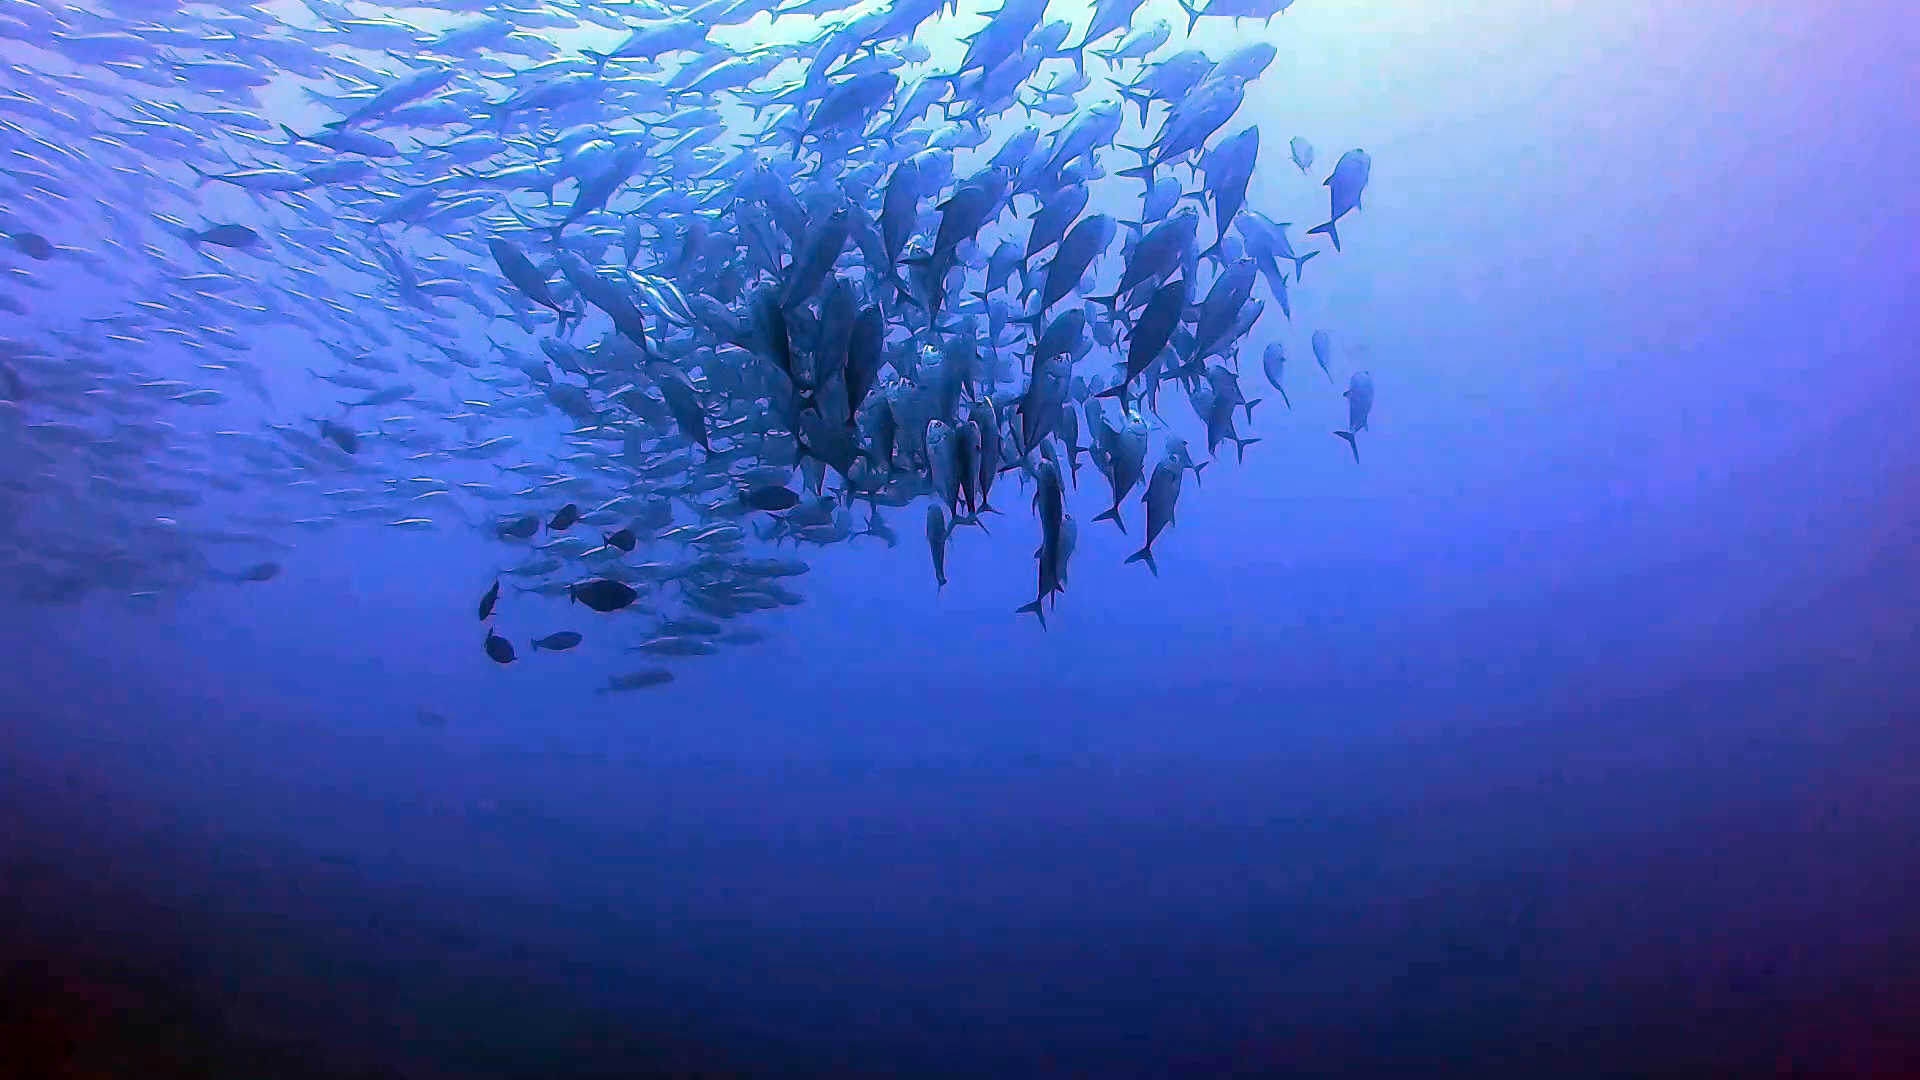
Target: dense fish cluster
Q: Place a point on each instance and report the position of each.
(641, 306)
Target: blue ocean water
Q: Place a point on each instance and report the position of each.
(1568, 732)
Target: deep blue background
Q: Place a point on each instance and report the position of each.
(1573, 733)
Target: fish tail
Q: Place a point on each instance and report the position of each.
(1193, 14)
(1283, 399)
(1240, 447)
(1113, 515)
(1248, 405)
(1035, 610)
(1300, 261)
(200, 175)
(1145, 555)
(1331, 232)
(1141, 101)
(1352, 442)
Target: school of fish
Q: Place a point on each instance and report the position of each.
(645, 312)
